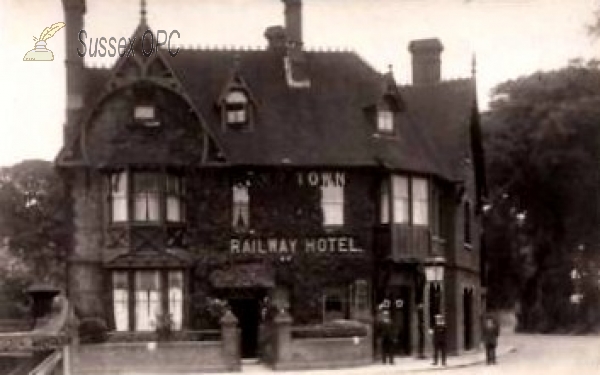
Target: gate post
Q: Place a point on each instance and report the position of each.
(230, 341)
(283, 332)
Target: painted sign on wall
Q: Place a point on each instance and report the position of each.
(291, 246)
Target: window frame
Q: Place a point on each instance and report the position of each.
(336, 201)
(399, 203)
(237, 112)
(240, 201)
(165, 306)
(158, 198)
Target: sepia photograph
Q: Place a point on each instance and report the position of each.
(327, 187)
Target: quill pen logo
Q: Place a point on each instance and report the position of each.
(40, 52)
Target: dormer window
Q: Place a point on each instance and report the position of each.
(145, 114)
(385, 120)
(236, 108)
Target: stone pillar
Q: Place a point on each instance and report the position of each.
(283, 332)
(231, 341)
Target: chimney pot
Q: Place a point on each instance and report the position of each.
(426, 61)
(293, 21)
(276, 37)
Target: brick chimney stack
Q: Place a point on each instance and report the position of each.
(293, 22)
(74, 11)
(426, 62)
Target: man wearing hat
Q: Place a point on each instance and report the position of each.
(439, 340)
(386, 333)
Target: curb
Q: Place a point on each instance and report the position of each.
(478, 361)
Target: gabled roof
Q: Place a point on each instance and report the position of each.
(327, 124)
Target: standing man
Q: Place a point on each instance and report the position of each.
(439, 340)
(490, 339)
(386, 333)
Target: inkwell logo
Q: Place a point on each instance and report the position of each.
(40, 52)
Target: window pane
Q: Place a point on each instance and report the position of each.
(146, 183)
(176, 298)
(400, 188)
(119, 209)
(118, 182)
(236, 97)
(385, 203)
(241, 207)
(385, 120)
(147, 300)
(174, 209)
(121, 301)
(420, 191)
(144, 112)
(332, 205)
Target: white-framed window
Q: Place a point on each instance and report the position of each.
(147, 300)
(121, 300)
(332, 204)
(401, 199)
(146, 192)
(176, 298)
(420, 201)
(236, 108)
(118, 197)
(385, 120)
(241, 207)
(174, 199)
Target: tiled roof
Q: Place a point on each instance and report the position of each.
(327, 124)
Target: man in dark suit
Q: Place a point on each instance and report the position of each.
(490, 339)
(439, 340)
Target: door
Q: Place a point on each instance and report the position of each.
(247, 311)
(468, 318)
(401, 309)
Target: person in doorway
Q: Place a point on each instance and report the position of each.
(387, 337)
(439, 340)
(490, 339)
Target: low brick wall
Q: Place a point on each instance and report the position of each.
(327, 353)
(320, 352)
(165, 357)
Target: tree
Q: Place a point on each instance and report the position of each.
(34, 219)
(542, 145)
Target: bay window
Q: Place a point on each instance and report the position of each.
(332, 204)
(150, 297)
(146, 197)
(409, 200)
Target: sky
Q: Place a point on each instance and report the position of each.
(510, 38)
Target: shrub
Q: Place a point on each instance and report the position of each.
(93, 330)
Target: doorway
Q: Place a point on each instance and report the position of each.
(247, 311)
(401, 311)
(468, 318)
